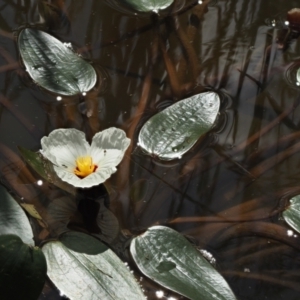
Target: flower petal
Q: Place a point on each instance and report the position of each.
(68, 176)
(86, 182)
(63, 146)
(104, 142)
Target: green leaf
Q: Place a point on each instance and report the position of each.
(84, 268)
(149, 5)
(292, 214)
(172, 132)
(13, 219)
(53, 65)
(60, 212)
(45, 169)
(108, 224)
(165, 256)
(22, 269)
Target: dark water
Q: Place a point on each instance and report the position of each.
(228, 192)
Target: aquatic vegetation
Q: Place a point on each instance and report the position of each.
(13, 219)
(168, 258)
(53, 65)
(149, 5)
(218, 165)
(93, 269)
(292, 213)
(80, 164)
(22, 264)
(172, 132)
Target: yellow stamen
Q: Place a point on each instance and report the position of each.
(84, 166)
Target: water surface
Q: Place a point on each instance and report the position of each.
(228, 191)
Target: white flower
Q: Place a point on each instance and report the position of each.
(81, 164)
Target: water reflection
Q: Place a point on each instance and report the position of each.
(229, 190)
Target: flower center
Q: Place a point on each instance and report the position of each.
(84, 166)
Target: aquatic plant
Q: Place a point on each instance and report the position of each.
(80, 164)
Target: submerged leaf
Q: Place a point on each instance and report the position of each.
(108, 224)
(84, 268)
(165, 256)
(292, 214)
(139, 190)
(13, 219)
(22, 269)
(172, 132)
(61, 211)
(53, 65)
(45, 169)
(149, 5)
(30, 208)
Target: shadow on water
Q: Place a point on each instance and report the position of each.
(228, 192)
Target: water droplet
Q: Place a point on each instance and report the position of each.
(39, 182)
(159, 294)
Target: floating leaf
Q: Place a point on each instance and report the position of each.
(172, 132)
(149, 5)
(292, 214)
(53, 65)
(13, 219)
(165, 256)
(45, 169)
(22, 269)
(84, 268)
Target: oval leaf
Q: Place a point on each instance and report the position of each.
(292, 214)
(165, 256)
(84, 268)
(22, 269)
(53, 65)
(172, 132)
(149, 5)
(13, 219)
